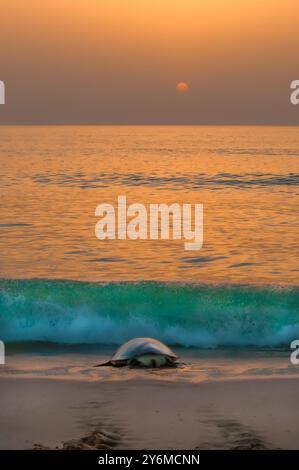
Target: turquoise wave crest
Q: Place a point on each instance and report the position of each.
(70, 312)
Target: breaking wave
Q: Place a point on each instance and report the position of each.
(70, 312)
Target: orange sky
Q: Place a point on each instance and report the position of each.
(118, 61)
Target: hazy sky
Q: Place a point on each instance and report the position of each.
(118, 61)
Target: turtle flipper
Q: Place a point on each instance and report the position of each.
(104, 364)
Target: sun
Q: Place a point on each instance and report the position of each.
(182, 87)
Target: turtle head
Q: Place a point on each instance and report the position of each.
(151, 361)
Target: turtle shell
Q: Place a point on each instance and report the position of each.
(140, 346)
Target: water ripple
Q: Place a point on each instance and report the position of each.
(199, 180)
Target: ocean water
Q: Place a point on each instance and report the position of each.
(60, 284)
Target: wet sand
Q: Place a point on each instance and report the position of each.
(255, 413)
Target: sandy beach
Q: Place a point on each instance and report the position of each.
(259, 413)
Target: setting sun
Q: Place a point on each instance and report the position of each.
(182, 87)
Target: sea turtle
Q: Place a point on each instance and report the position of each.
(142, 352)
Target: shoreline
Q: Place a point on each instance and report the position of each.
(195, 366)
